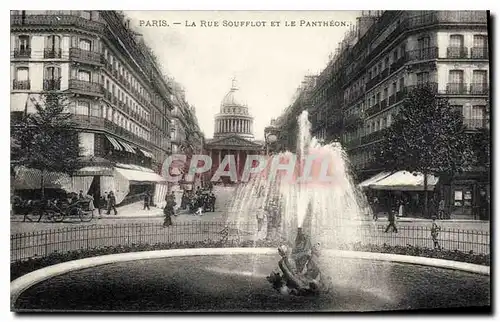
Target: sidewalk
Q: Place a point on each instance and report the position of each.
(134, 210)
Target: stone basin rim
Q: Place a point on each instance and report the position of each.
(21, 284)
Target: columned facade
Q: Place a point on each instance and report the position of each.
(233, 135)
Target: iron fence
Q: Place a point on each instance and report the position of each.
(42, 243)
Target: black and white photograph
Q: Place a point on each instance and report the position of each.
(242, 161)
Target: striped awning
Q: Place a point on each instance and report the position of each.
(147, 154)
(115, 143)
(128, 147)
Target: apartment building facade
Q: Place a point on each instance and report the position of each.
(365, 84)
(119, 99)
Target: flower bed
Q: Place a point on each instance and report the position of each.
(20, 268)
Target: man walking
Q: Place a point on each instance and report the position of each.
(435, 229)
(112, 203)
(147, 200)
(392, 221)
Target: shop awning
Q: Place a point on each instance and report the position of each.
(127, 147)
(373, 179)
(405, 181)
(94, 171)
(140, 176)
(115, 143)
(147, 154)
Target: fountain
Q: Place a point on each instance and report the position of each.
(329, 212)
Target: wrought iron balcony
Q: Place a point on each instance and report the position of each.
(100, 124)
(374, 109)
(51, 84)
(56, 20)
(433, 86)
(476, 123)
(401, 95)
(398, 63)
(423, 54)
(372, 82)
(52, 53)
(86, 88)
(456, 88)
(456, 52)
(22, 52)
(21, 85)
(479, 89)
(479, 53)
(86, 56)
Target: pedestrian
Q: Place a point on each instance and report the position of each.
(103, 203)
(435, 229)
(168, 211)
(441, 214)
(392, 221)
(401, 208)
(112, 203)
(375, 208)
(81, 196)
(147, 200)
(90, 199)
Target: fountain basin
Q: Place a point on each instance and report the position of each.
(233, 279)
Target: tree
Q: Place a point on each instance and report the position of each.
(427, 136)
(46, 140)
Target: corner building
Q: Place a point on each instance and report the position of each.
(120, 101)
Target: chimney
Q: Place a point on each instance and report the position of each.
(365, 22)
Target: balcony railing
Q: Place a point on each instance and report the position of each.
(99, 123)
(476, 123)
(372, 82)
(479, 52)
(22, 52)
(56, 20)
(374, 109)
(456, 52)
(433, 86)
(479, 89)
(51, 84)
(423, 54)
(374, 136)
(84, 87)
(52, 53)
(85, 56)
(22, 85)
(456, 88)
(398, 63)
(401, 95)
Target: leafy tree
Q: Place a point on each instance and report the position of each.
(46, 140)
(427, 136)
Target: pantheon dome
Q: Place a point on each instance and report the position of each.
(234, 117)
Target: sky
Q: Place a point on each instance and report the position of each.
(268, 62)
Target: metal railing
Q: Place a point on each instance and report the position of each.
(21, 84)
(86, 87)
(43, 243)
(52, 53)
(86, 56)
(56, 20)
(456, 52)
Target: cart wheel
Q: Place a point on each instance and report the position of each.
(86, 216)
(56, 216)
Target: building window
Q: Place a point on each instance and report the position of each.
(96, 111)
(394, 88)
(83, 108)
(22, 78)
(22, 47)
(424, 43)
(52, 78)
(456, 41)
(85, 44)
(480, 49)
(84, 75)
(401, 83)
(422, 78)
(479, 84)
(52, 47)
(456, 76)
(455, 82)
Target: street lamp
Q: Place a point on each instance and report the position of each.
(270, 139)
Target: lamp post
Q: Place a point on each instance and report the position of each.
(270, 139)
